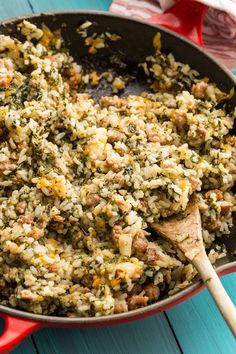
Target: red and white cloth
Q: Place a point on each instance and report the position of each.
(219, 29)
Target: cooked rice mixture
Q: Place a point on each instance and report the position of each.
(81, 180)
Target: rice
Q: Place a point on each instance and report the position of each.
(81, 179)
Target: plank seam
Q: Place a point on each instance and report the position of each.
(30, 5)
(35, 345)
(173, 332)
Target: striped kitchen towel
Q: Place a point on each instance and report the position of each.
(219, 28)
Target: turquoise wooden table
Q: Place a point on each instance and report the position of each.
(192, 327)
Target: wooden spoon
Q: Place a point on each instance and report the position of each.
(185, 233)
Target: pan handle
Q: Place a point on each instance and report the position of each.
(184, 17)
(16, 329)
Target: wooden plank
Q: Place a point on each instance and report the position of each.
(27, 347)
(151, 336)
(198, 325)
(14, 8)
(47, 5)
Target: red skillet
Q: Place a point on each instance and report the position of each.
(185, 18)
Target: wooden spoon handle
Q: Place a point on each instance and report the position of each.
(214, 285)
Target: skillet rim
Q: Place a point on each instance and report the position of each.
(161, 305)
